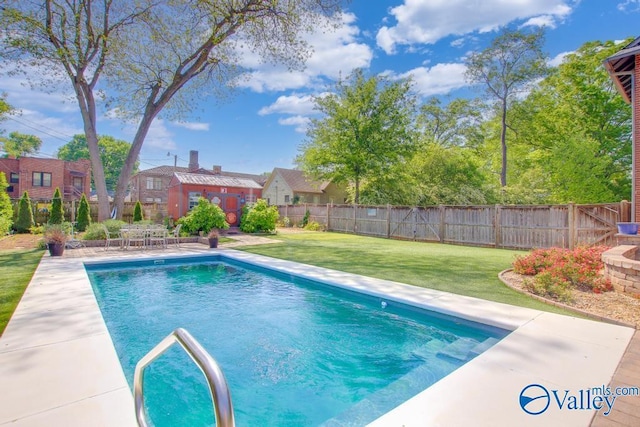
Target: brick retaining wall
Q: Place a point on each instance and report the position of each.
(622, 268)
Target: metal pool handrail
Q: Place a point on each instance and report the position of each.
(222, 406)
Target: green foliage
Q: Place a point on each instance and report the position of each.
(56, 215)
(113, 153)
(259, 218)
(96, 232)
(305, 219)
(204, 217)
(24, 220)
(6, 210)
(18, 144)
(366, 129)
(313, 226)
(84, 214)
(137, 212)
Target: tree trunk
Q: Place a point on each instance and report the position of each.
(503, 142)
(356, 198)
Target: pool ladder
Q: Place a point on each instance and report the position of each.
(222, 407)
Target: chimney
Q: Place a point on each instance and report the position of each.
(217, 170)
(193, 161)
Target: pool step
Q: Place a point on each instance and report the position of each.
(460, 349)
(484, 346)
(402, 389)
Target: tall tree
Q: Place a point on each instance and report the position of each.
(6, 210)
(113, 153)
(20, 144)
(506, 68)
(366, 129)
(151, 50)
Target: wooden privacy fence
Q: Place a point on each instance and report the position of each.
(515, 227)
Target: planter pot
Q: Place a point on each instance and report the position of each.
(213, 242)
(55, 249)
(628, 227)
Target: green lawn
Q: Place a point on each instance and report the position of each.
(16, 269)
(458, 269)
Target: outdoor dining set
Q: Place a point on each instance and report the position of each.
(142, 236)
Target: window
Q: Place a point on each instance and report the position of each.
(41, 179)
(251, 198)
(154, 183)
(286, 198)
(78, 183)
(193, 199)
(14, 178)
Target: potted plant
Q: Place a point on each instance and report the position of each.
(213, 238)
(55, 237)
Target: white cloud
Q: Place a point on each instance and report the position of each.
(301, 123)
(426, 22)
(558, 59)
(629, 6)
(292, 104)
(437, 80)
(335, 52)
(197, 126)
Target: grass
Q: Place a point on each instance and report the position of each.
(16, 269)
(460, 270)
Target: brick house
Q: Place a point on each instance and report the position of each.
(230, 193)
(40, 177)
(290, 186)
(624, 69)
(151, 185)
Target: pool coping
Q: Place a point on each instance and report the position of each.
(58, 359)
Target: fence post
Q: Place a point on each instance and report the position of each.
(355, 219)
(498, 226)
(442, 228)
(625, 212)
(328, 217)
(388, 221)
(572, 225)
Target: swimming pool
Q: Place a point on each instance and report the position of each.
(295, 352)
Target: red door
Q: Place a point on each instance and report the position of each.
(231, 209)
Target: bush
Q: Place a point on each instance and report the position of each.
(6, 211)
(313, 226)
(259, 218)
(204, 217)
(25, 214)
(305, 219)
(557, 271)
(96, 232)
(84, 214)
(137, 212)
(57, 214)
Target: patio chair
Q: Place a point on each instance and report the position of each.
(174, 237)
(112, 237)
(136, 237)
(157, 236)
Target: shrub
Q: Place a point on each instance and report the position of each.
(6, 211)
(203, 217)
(84, 214)
(24, 220)
(557, 271)
(57, 214)
(313, 226)
(137, 212)
(259, 218)
(96, 232)
(305, 219)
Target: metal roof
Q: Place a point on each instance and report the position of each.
(216, 180)
(621, 66)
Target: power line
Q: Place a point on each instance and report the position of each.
(42, 131)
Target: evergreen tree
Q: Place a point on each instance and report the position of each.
(57, 215)
(84, 215)
(6, 211)
(25, 214)
(137, 212)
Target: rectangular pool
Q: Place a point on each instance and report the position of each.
(294, 351)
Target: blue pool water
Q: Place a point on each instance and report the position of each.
(294, 352)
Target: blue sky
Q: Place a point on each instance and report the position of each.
(262, 124)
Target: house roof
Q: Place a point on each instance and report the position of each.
(299, 182)
(169, 171)
(621, 66)
(216, 180)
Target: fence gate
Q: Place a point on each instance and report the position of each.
(596, 224)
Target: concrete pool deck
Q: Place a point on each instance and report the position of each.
(59, 368)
